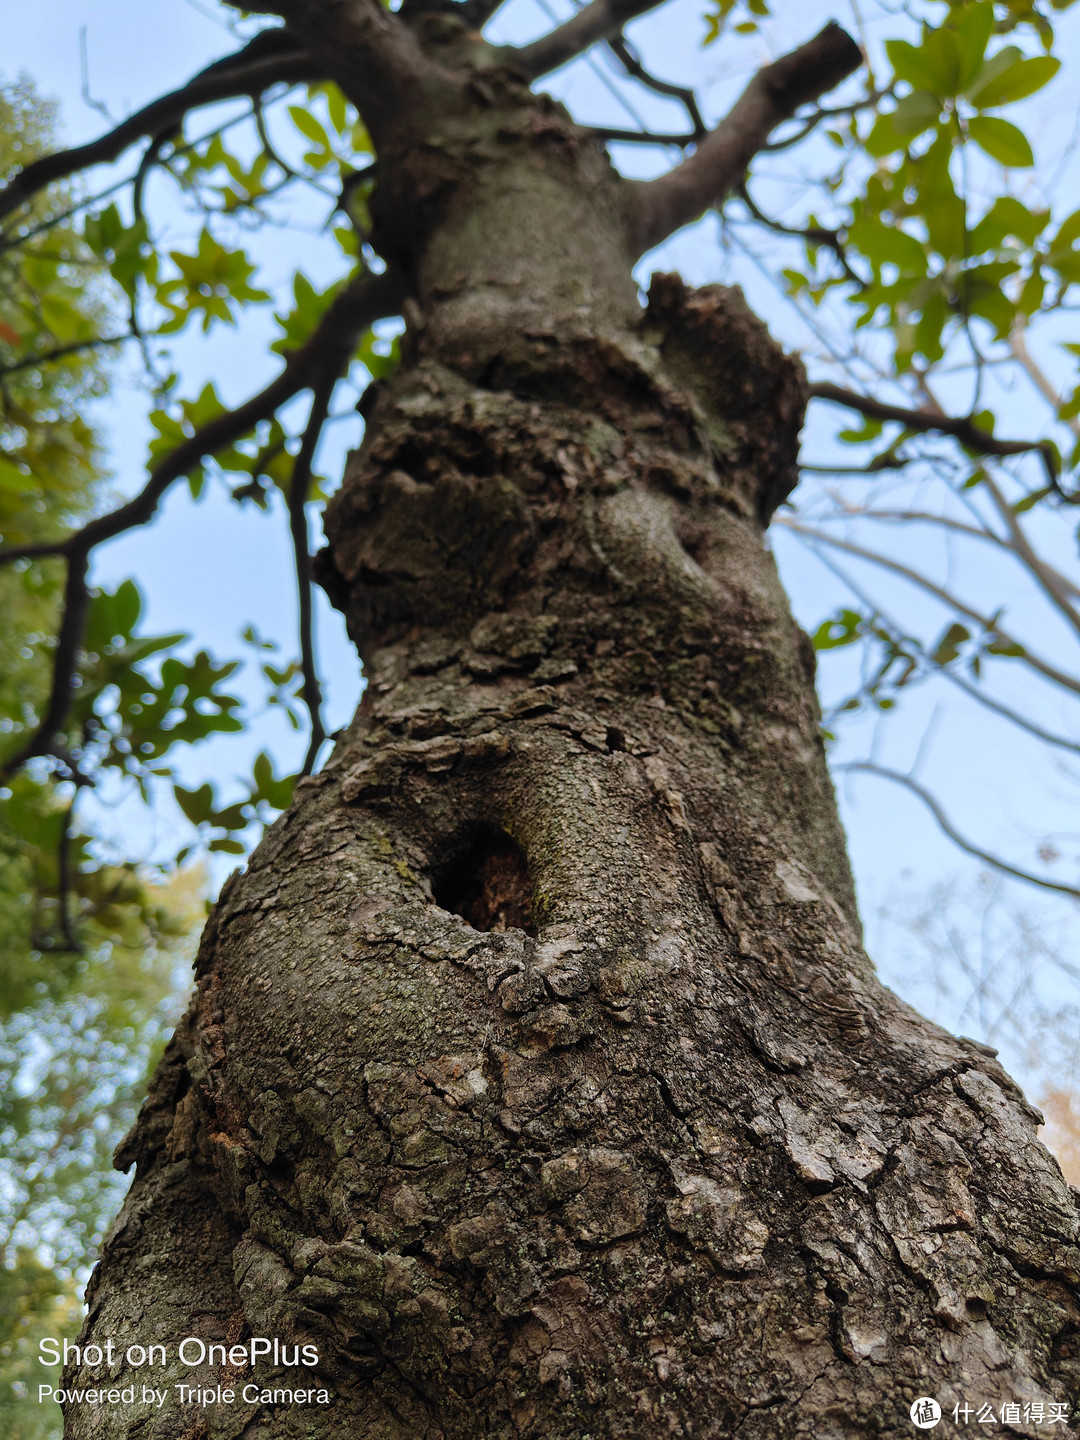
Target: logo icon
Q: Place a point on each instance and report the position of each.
(925, 1412)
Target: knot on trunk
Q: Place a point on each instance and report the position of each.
(753, 393)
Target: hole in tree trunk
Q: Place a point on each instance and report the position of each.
(487, 883)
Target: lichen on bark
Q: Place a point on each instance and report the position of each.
(634, 1144)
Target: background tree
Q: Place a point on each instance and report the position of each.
(89, 942)
(723, 688)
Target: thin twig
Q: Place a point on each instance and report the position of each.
(949, 829)
(1056, 587)
(622, 50)
(1037, 376)
(899, 636)
(150, 157)
(988, 623)
(638, 137)
(812, 234)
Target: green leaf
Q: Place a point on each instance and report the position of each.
(309, 127)
(1007, 217)
(992, 69)
(1068, 233)
(308, 309)
(915, 113)
(842, 629)
(214, 281)
(948, 647)
(1001, 140)
(973, 28)
(128, 603)
(275, 791)
(933, 66)
(945, 215)
(979, 291)
(1068, 267)
(869, 429)
(941, 59)
(1031, 293)
(197, 805)
(888, 245)
(1030, 501)
(1015, 82)
(909, 63)
(931, 323)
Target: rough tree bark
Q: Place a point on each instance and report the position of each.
(536, 1073)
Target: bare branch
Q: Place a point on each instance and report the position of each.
(639, 137)
(987, 622)
(813, 235)
(271, 57)
(947, 827)
(889, 460)
(1055, 586)
(925, 422)
(1041, 381)
(600, 20)
(901, 637)
(622, 50)
(662, 206)
(366, 300)
(916, 517)
(1048, 737)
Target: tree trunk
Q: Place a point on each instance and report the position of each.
(536, 1075)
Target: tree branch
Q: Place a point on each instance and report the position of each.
(947, 827)
(272, 56)
(813, 235)
(659, 207)
(298, 529)
(1057, 588)
(925, 422)
(374, 57)
(600, 20)
(61, 352)
(900, 637)
(621, 49)
(639, 137)
(359, 305)
(987, 622)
